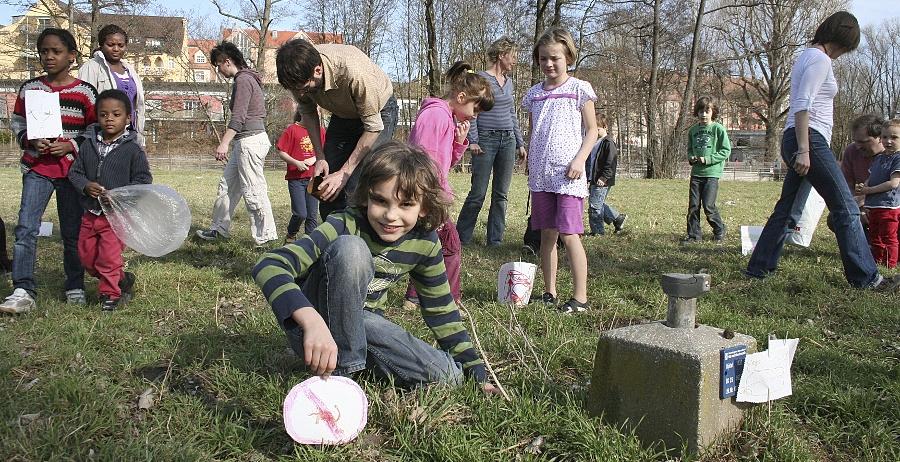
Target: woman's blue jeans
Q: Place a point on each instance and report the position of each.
(499, 156)
(825, 176)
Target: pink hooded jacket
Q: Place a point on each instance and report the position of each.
(435, 132)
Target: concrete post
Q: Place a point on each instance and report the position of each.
(682, 313)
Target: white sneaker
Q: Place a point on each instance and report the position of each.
(18, 302)
(75, 297)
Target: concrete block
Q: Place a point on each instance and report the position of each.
(664, 383)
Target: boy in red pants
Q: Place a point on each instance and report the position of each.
(109, 157)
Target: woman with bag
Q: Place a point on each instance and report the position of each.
(805, 149)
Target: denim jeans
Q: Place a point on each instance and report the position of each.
(703, 194)
(36, 192)
(336, 286)
(304, 207)
(341, 138)
(244, 177)
(599, 212)
(499, 156)
(824, 175)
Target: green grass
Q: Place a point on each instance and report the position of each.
(201, 337)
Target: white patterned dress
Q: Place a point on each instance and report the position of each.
(556, 135)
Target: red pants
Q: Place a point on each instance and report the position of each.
(100, 251)
(452, 250)
(883, 224)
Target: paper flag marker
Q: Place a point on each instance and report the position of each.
(329, 411)
(767, 374)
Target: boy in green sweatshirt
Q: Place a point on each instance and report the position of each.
(708, 149)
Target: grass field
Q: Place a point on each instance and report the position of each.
(200, 341)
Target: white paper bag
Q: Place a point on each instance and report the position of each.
(514, 282)
(749, 238)
(812, 211)
(42, 114)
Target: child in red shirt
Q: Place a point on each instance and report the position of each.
(296, 149)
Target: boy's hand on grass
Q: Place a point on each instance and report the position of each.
(319, 348)
(490, 389)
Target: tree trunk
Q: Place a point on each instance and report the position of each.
(688, 96)
(433, 81)
(539, 15)
(264, 23)
(653, 150)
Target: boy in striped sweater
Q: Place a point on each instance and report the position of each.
(328, 289)
(111, 157)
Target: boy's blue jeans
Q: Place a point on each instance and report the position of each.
(824, 175)
(36, 192)
(599, 212)
(703, 194)
(499, 157)
(304, 207)
(336, 286)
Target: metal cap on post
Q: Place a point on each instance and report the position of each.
(683, 291)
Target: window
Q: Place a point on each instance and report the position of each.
(191, 105)
(43, 23)
(134, 40)
(153, 42)
(200, 76)
(200, 58)
(171, 63)
(153, 104)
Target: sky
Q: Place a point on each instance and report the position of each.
(869, 12)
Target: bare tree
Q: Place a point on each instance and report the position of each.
(259, 16)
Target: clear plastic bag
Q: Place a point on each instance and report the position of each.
(152, 219)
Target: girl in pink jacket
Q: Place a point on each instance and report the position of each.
(440, 130)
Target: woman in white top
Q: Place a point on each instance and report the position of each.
(106, 70)
(805, 149)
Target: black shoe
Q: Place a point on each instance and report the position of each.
(208, 234)
(721, 236)
(290, 238)
(111, 304)
(573, 306)
(548, 299)
(885, 285)
(126, 285)
(689, 240)
(619, 222)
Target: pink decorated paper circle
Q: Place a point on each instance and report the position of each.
(329, 411)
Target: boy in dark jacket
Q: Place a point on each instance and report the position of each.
(601, 173)
(110, 157)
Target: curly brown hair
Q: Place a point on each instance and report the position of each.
(417, 179)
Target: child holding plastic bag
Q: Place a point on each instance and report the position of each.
(45, 163)
(111, 157)
(328, 289)
(441, 130)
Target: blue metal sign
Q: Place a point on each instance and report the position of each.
(731, 366)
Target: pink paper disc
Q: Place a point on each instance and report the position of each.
(330, 411)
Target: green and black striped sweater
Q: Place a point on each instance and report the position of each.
(418, 254)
